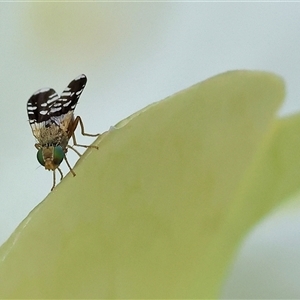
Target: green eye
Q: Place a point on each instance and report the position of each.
(40, 158)
(58, 155)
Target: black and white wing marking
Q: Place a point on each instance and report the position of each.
(45, 107)
(68, 100)
(38, 109)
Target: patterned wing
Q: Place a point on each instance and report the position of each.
(39, 108)
(63, 109)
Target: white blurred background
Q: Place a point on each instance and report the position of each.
(134, 54)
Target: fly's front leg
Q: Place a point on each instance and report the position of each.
(61, 173)
(54, 179)
(53, 185)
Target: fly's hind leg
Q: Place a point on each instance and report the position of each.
(74, 126)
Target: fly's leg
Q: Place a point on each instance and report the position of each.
(71, 134)
(61, 174)
(53, 185)
(54, 179)
(74, 150)
(71, 170)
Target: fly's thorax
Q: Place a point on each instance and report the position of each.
(50, 156)
(53, 135)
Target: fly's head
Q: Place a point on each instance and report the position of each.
(50, 156)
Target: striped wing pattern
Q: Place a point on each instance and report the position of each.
(45, 108)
